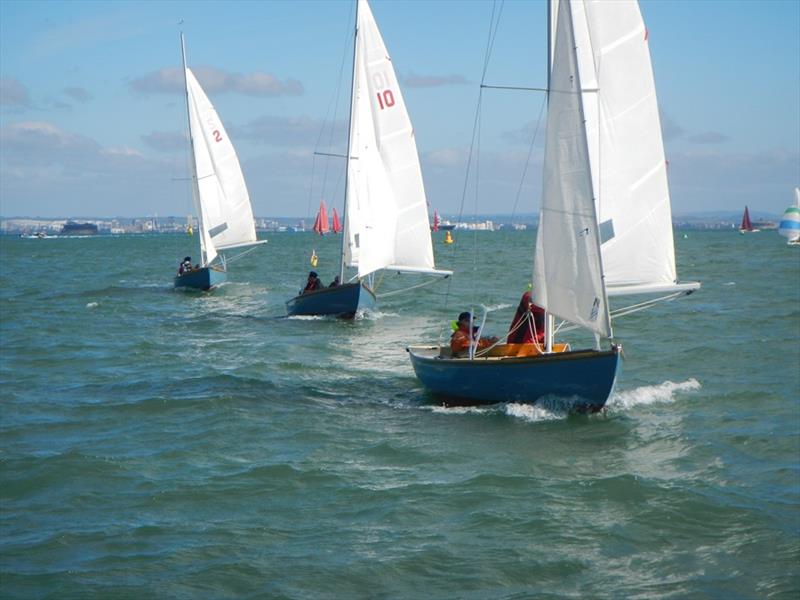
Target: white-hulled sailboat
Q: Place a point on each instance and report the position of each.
(225, 216)
(604, 223)
(789, 226)
(386, 217)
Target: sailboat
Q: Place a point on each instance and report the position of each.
(604, 223)
(336, 225)
(321, 223)
(386, 219)
(225, 216)
(747, 225)
(789, 226)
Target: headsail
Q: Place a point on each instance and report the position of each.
(626, 151)
(568, 268)
(221, 197)
(386, 223)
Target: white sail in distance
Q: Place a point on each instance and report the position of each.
(386, 225)
(221, 198)
(568, 272)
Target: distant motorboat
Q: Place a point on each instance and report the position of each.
(73, 228)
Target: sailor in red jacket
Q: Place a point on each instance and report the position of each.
(528, 323)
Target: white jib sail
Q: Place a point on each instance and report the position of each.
(223, 204)
(629, 171)
(387, 215)
(568, 278)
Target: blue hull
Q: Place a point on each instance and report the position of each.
(203, 279)
(580, 381)
(341, 301)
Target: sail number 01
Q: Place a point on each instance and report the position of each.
(385, 97)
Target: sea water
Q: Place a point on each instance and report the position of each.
(165, 444)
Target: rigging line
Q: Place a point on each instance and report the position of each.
(413, 287)
(492, 34)
(335, 101)
(528, 159)
(514, 87)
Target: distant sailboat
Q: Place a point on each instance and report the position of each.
(336, 227)
(225, 215)
(583, 254)
(386, 217)
(436, 221)
(321, 224)
(789, 226)
(747, 225)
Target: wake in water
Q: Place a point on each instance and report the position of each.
(558, 409)
(650, 394)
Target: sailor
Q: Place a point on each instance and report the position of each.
(313, 283)
(528, 322)
(335, 282)
(460, 340)
(185, 266)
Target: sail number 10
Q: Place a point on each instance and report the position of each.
(385, 96)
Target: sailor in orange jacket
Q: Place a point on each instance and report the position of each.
(460, 340)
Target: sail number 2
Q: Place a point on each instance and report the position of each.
(384, 94)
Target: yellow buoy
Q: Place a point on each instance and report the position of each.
(448, 238)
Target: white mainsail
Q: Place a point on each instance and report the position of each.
(568, 271)
(386, 223)
(221, 198)
(626, 151)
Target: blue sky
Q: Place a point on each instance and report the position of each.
(92, 122)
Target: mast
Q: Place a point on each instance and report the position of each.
(195, 188)
(349, 143)
(549, 321)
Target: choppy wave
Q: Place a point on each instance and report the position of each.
(651, 394)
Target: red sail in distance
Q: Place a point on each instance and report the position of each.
(746, 224)
(321, 224)
(435, 226)
(337, 226)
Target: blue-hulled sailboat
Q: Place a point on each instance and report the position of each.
(220, 194)
(386, 216)
(604, 223)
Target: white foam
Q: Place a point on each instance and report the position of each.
(526, 412)
(651, 394)
(92, 305)
(532, 413)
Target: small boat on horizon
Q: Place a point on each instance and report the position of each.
(747, 224)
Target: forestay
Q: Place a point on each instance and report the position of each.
(386, 223)
(568, 266)
(221, 198)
